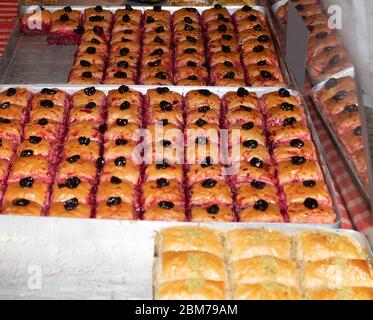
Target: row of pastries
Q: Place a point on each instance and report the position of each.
(326, 52)
(215, 47)
(98, 155)
(259, 264)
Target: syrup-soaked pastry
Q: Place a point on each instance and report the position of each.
(22, 207)
(6, 149)
(4, 167)
(266, 291)
(353, 273)
(43, 128)
(264, 269)
(330, 62)
(244, 172)
(73, 187)
(188, 238)
(29, 189)
(164, 170)
(248, 13)
(74, 167)
(36, 22)
(285, 115)
(320, 245)
(122, 129)
(83, 129)
(294, 148)
(359, 161)
(162, 188)
(249, 243)
(353, 140)
(342, 101)
(300, 191)
(38, 146)
(265, 57)
(197, 151)
(202, 117)
(346, 121)
(193, 131)
(196, 99)
(354, 293)
(122, 147)
(165, 211)
(211, 191)
(12, 111)
(298, 169)
(242, 115)
(28, 165)
(334, 86)
(80, 80)
(310, 211)
(70, 209)
(322, 42)
(287, 133)
(183, 265)
(278, 98)
(121, 168)
(212, 213)
(191, 289)
(87, 60)
(65, 27)
(207, 169)
(239, 133)
(250, 194)
(122, 211)
(86, 151)
(221, 57)
(115, 191)
(17, 96)
(261, 211)
(264, 75)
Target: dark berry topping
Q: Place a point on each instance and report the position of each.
(246, 108)
(190, 50)
(149, 19)
(229, 75)
(265, 74)
(98, 9)
(120, 161)
(228, 64)
(351, 108)
(91, 105)
(166, 205)
(155, 63)
(162, 165)
(159, 29)
(242, 92)
(98, 30)
(84, 141)
(96, 18)
(102, 128)
(64, 17)
(213, 209)
(67, 9)
(71, 204)
(340, 95)
(126, 18)
(165, 105)
(165, 143)
(261, 205)
(200, 122)
(250, 144)
(358, 132)
(258, 184)
(161, 75)
(263, 38)
(191, 64)
(311, 203)
(297, 161)
(158, 39)
(222, 28)
(49, 92)
(27, 153)
(26, 182)
(289, 121)
(191, 39)
(79, 30)
(162, 90)
(207, 162)
(287, 106)
(227, 37)
(335, 60)
(162, 182)
(121, 122)
(34, 139)
(73, 182)
(120, 74)
(87, 74)
(163, 122)
(115, 180)
(157, 8)
(309, 183)
(21, 202)
(100, 162)
(297, 143)
(47, 103)
(188, 27)
(258, 27)
(247, 126)
(331, 83)
(113, 201)
(246, 8)
(123, 89)
(11, 92)
(225, 48)
(261, 63)
(203, 109)
(85, 63)
(121, 142)
(257, 163)
(4, 121)
(123, 64)
(73, 159)
(204, 92)
(125, 105)
(284, 93)
(124, 51)
(188, 20)
(90, 91)
(258, 48)
(209, 183)
(5, 105)
(43, 122)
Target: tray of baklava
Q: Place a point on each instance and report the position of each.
(196, 263)
(337, 101)
(163, 153)
(217, 46)
(327, 54)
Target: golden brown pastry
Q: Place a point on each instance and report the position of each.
(318, 245)
(337, 273)
(248, 243)
(173, 266)
(263, 269)
(190, 239)
(356, 293)
(191, 289)
(266, 291)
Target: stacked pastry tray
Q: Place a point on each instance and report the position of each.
(281, 27)
(220, 92)
(111, 259)
(361, 180)
(29, 59)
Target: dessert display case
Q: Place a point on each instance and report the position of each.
(80, 96)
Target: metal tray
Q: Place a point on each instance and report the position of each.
(30, 60)
(221, 91)
(279, 27)
(342, 150)
(91, 259)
